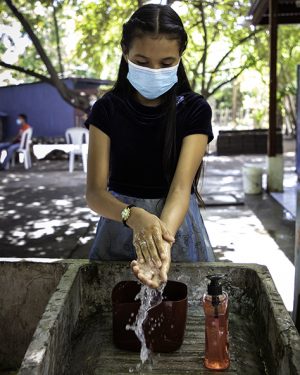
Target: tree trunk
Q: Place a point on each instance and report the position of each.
(28, 72)
(70, 96)
(291, 112)
(57, 37)
(204, 57)
(235, 98)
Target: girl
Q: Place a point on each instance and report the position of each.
(148, 136)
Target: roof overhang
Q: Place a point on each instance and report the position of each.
(288, 12)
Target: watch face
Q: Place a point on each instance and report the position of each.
(125, 213)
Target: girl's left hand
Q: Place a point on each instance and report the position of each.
(151, 275)
(149, 234)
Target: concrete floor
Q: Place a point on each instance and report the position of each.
(43, 213)
(259, 231)
(224, 176)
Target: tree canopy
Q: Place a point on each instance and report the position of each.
(82, 38)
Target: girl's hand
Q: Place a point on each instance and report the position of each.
(149, 274)
(149, 235)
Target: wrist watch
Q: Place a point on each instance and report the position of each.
(125, 214)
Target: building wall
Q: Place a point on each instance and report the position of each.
(47, 112)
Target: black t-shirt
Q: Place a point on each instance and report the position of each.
(136, 133)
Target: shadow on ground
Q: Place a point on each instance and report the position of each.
(44, 213)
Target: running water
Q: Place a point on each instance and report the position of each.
(149, 298)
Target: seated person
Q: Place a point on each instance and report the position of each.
(14, 144)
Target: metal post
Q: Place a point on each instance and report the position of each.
(275, 155)
(298, 123)
(296, 309)
(273, 77)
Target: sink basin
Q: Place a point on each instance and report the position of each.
(25, 288)
(75, 334)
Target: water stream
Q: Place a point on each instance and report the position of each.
(149, 298)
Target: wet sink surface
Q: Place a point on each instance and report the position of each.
(74, 335)
(93, 351)
(25, 289)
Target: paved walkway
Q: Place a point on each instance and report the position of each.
(260, 231)
(43, 213)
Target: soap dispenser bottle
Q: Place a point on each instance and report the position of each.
(215, 304)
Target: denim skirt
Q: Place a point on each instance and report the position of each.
(113, 240)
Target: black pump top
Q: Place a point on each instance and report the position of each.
(214, 288)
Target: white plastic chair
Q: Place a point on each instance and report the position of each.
(79, 137)
(24, 149)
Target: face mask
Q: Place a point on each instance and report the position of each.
(18, 121)
(151, 83)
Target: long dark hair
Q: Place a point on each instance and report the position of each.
(155, 19)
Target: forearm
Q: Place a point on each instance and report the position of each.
(175, 209)
(105, 204)
(17, 137)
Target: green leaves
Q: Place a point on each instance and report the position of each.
(100, 28)
(222, 45)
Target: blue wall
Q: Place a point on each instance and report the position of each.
(47, 112)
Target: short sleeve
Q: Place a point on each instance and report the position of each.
(99, 115)
(198, 119)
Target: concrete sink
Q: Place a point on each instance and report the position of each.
(56, 320)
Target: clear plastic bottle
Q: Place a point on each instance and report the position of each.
(215, 304)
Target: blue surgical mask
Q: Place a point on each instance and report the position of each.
(151, 83)
(18, 121)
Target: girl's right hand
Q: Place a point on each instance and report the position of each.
(149, 233)
(150, 275)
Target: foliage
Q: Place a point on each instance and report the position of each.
(40, 16)
(222, 45)
(288, 58)
(100, 26)
(43, 54)
(218, 42)
(208, 24)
